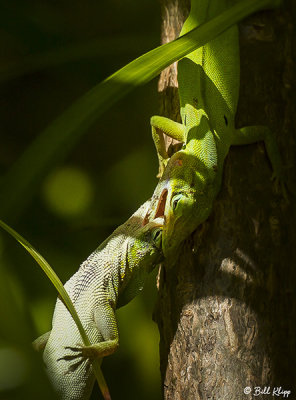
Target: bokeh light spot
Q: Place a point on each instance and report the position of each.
(68, 192)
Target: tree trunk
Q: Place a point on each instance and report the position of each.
(226, 312)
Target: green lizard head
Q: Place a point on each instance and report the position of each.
(144, 252)
(145, 249)
(184, 198)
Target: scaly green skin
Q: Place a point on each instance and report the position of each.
(208, 81)
(111, 277)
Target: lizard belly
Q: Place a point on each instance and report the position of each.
(73, 378)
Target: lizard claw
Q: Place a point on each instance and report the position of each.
(78, 349)
(79, 357)
(73, 367)
(81, 351)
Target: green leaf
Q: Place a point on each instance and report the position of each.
(58, 138)
(66, 299)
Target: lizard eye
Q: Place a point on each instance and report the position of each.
(175, 201)
(157, 236)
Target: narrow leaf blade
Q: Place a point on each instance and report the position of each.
(64, 296)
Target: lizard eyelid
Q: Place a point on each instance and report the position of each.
(157, 236)
(176, 198)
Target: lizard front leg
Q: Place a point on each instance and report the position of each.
(253, 134)
(105, 320)
(175, 130)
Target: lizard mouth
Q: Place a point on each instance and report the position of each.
(160, 208)
(161, 204)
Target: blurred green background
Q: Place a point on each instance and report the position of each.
(52, 52)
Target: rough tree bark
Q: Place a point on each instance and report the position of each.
(226, 312)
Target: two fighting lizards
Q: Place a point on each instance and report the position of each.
(190, 180)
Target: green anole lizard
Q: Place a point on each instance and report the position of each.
(208, 80)
(110, 277)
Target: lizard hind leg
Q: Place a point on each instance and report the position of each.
(161, 126)
(253, 134)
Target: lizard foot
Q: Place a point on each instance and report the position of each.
(97, 350)
(280, 184)
(79, 351)
(78, 358)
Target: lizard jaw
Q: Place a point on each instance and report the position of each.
(152, 215)
(160, 211)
